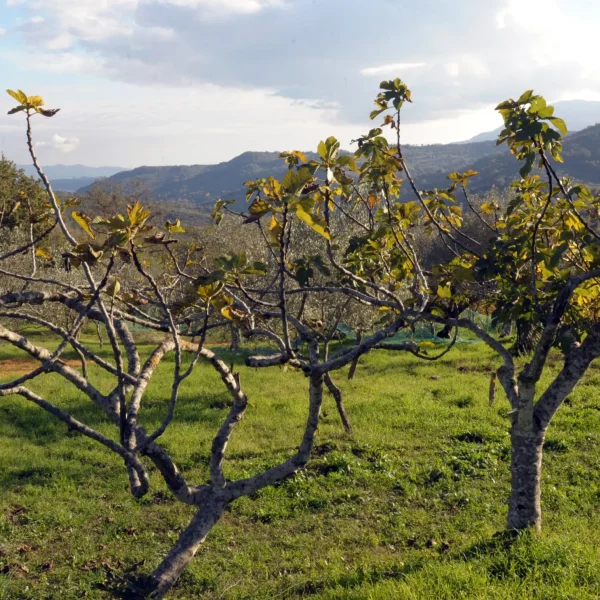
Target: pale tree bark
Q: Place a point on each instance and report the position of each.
(180, 556)
(213, 499)
(524, 507)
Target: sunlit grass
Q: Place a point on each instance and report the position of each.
(405, 508)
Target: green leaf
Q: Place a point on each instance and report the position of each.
(559, 124)
(537, 104)
(174, 227)
(375, 113)
(314, 223)
(546, 113)
(444, 291)
(113, 288)
(557, 255)
(18, 96)
(257, 268)
(84, 222)
(525, 97)
(294, 181)
(322, 150)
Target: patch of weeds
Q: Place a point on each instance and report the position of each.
(557, 446)
(470, 437)
(463, 401)
(324, 448)
(434, 476)
(473, 463)
(34, 474)
(372, 575)
(335, 463)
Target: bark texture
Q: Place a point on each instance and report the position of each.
(185, 549)
(525, 510)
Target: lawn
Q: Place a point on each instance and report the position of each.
(407, 507)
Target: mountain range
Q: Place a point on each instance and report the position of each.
(70, 178)
(201, 185)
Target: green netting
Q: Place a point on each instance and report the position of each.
(427, 332)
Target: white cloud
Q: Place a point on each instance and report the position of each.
(56, 62)
(452, 69)
(226, 6)
(2, 31)
(64, 144)
(390, 69)
(273, 74)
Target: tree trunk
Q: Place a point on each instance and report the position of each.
(235, 339)
(354, 363)
(525, 509)
(444, 333)
(184, 550)
(492, 393)
(339, 402)
(528, 335)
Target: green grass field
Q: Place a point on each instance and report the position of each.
(405, 508)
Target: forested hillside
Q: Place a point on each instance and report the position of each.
(203, 184)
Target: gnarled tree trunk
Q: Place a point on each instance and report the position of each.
(183, 552)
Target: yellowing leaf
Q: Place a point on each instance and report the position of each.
(314, 224)
(137, 215)
(444, 291)
(112, 289)
(18, 96)
(174, 227)
(35, 101)
(43, 253)
(233, 314)
(372, 201)
(84, 222)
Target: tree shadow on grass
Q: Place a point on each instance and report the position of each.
(500, 543)
(361, 576)
(27, 424)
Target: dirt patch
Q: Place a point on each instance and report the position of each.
(16, 367)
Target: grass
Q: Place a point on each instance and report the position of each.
(408, 507)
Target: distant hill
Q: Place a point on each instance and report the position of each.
(581, 155)
(578, 115)
(70, 178)
(73, 171)
(201, 185)
(73, 184)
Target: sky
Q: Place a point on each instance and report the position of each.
(155, 82)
